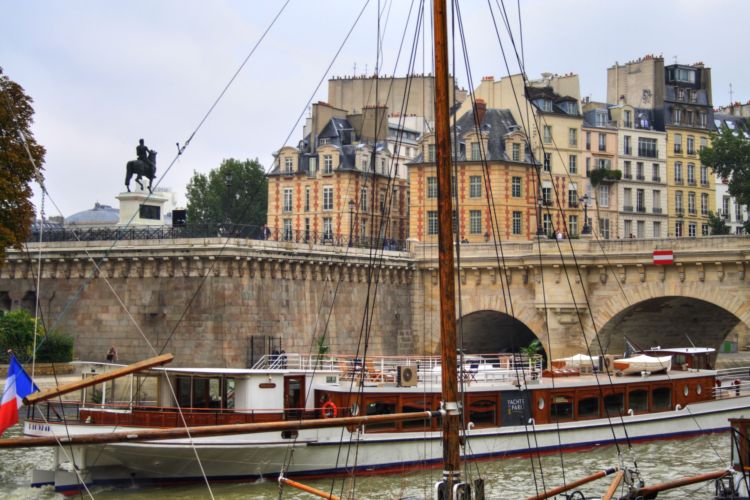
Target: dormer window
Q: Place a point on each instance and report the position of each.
(327, 164)
(324, 140)
(601, 118)
(628, 119)
(430, 152)
(684, 75)
(288, 165)
(544, 104)
(569, 107)
(680, 94)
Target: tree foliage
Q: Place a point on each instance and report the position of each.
(17, 171)
(717, 224)
(234, 193)
(729, 156)
(17, 334)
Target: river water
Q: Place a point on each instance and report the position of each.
(508, 478)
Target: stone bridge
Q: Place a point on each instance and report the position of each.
(219, 302)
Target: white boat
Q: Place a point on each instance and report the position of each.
(576, 361)
(505, 402)
(643, 363)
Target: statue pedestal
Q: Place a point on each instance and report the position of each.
(143, 208)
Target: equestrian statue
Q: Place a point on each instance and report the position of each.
(144, 166)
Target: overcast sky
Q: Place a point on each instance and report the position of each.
(104, 74)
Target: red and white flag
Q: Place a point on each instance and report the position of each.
(18, 385)
(663, 257)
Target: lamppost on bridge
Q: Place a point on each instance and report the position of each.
(351, 220)
(586, 227)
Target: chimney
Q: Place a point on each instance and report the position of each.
(480, 108)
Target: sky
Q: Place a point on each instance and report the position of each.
(104, 74)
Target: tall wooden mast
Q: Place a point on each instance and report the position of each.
(451, 421)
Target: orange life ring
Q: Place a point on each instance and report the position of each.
(330, 410)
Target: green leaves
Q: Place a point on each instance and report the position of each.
(17, 333)
(234, 193)
(729, 156)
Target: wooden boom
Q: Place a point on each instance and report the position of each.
(652, 491)
(574, 484)
(97, 379)
(210, 430)
(307, 489)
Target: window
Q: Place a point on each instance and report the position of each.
(604, 228)
(432, 222)
(691, 174)
(363, 199)
(287, 200)
(432, 187)
(588, 407)
(640, 200)
(312, 166)
(639, 171)
(627, 147)
(725, 207)
(475, 186)
(704, 205)
(647, 148)
(627, 226)
(547, 196)
(704, 143)
(628, 118)
(547, 161)
(430, 152)
(588, 166)
(691, 230)
(572, 137)
(287, 232)
(702, 121)
(689, 117)
(628, 170)
(307, 198)
(640, 229)
(475, 222)
(516, 152)
(588, 140)
(655, 172)
(547, 134)
(543, 104)
(678, 201)
(573, 164)
(680, 93)
(517, 222)
(327, 197)
(656, 201)
(288, 165)
(516, 187)
(678, 143)
(327, 164)
(572, 197)
(382, 202)
(678, 229)
(614, 404)
(638, 400)
(676, 116)
(327, 228)
(573, 225)
(603, 196)
(627, 200)
(602, 142)
(483, 412)
(603, 163)
(561, 408)
(454, 184)
(365, 163)
(691, 145)
(704, 175)
(657, 229)
(475, 153)
(547, 224)
(705, 230)
(678, 172)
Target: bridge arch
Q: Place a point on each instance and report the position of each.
(490, 331)
(668, 318)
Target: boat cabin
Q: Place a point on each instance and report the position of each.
(686, 358)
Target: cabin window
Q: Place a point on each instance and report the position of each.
(562, 408)
(698, 389)
(146, 391)
(685, 391)
(614, 404)
(540, 403)
(381, 407)
(661, 398)
(679, 359)
(183, 391)
(588, 407)
(483, 412)
(638, 400)
(414, 406)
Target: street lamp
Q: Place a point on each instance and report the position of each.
(351, 220)
(586, 228)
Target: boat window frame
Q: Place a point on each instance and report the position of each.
(653, 388)
(473, 398)
(641, 387)
(566, 394)
(380, 399)
(586, 395)
(429, 404)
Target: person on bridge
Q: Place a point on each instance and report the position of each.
(112, 353)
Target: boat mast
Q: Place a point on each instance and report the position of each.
(451, 422)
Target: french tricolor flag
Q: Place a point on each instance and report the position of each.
(18, 385)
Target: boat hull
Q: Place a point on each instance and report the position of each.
(318, 453)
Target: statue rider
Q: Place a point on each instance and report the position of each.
(142, 152)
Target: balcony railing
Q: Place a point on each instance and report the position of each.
(678, 180)
(705, 184)
(640, 177)
(656, 210)
(656, 178)
(680, 212)
(641, 209)
(691, 182)
(677, 148)
(627, 176)
(627, 208)
(572, 204)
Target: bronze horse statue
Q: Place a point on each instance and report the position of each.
(142, 169)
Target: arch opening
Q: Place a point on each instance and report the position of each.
(668, 322)
(484, 332)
